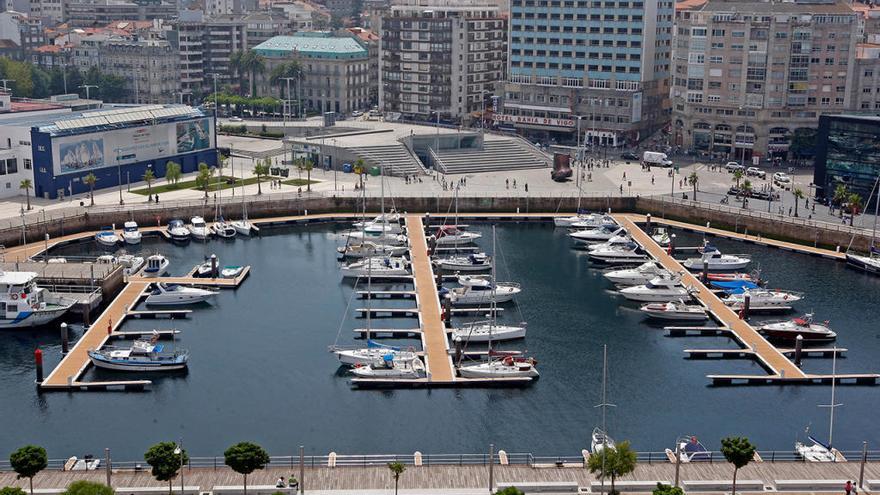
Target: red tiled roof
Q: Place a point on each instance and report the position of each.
(48, 49)
(32, 106)
(689, 4)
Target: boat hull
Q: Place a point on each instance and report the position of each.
(136, 367)
(863, 264)
(163, 300)
(655, 296)
(35, 318)
(132, 239)
(481, 334)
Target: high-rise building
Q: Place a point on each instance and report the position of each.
(91, 13)
(440, 58)
(751, 78)
(598, 65)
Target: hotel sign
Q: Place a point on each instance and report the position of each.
(525, 119)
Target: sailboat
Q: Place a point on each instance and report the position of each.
(372, 240)
(871, 262)
(243, 226)
(599, 439)
(818, 451)
(500, 364)
(221, 227)
(452, 234)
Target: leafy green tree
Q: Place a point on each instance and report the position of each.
(693, 180)
(282, 71)
(737, 176)
(20, 72)
(87, 488)
(172, 172)
(244, 458)
(165, 462)
(261, 169)
(27, 185)
(28, 461)
(396, 469)
(90, 180)
(203, 179)
(798, 195)
(739, 452)
(613, 462)
(667, 490)
(510, 490)
(12, 490)
(746, 191)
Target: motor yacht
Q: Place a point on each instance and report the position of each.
(619, 255)
(641, 274)
(199, 229)
(178, 231)
(107, 239)
(479, 289)
(373, 354)
(763, 298)
(487, 331)
(717, 261)
(474, 262)
(600, 234)
(659, 289)
(616, 241)
(24, 304)
(593, 222)
(142, 355)
(130, 233)
(674, 311)
(788, 330)
(661, 236)
(223, 229)
(177, 295)
(157, 265)
(376, 267)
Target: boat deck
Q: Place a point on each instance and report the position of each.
(69, 370)
(780, 368)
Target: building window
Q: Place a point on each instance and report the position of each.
(27, 163)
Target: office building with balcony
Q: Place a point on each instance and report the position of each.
(598, 65)
(750, 76)
(440, 59)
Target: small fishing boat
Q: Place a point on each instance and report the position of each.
(660, 289)
(690, 450)
(24, 304)
(480, 289)
(451, 235)
(178, 231)
(641, 274)
(474, 262)
(717, 261)
(378, 266)
(502, 366)
(231, 271)
(488, 331)
(370, 248)
(143, 355)
(600, 234)
(223, 229)
(661, 236)
(599, 440)
(206, 269)
(389, 367)
(107, 238)
(788, 330)
(157, 265)
(373, 354)
(131, 263)
(674, 311)
(199, 229)
(177, 295)
(619, 255)
(130, 233)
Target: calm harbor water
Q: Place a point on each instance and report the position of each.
(260, 369)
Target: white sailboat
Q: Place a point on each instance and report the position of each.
(451, 235)
(871, 262)
(243, 226)
(818, 451)
(600, 440)
(221, 227)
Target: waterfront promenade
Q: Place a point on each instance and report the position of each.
(471, 478)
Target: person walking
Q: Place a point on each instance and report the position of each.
(848, 487)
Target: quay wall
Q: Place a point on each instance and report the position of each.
(273, 206)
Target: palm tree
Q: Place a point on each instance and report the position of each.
(203, 180)
(26, 184)
(308, 165)
(396, 469)
(236, 65)
(737, 176)
(283, 71)
(693, 180)
(261, 169)
(840, 194)
(252, 63)
(798, 195)
(746, 191)
(149, 177)
(172, 172)
(90, 181)
(855, 206)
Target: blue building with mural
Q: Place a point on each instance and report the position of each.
(118, 146)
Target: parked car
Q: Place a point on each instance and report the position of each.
(781, 178)
(236, 119)
(629, 155)
(733, 167)
(756, 172)
(357, 113)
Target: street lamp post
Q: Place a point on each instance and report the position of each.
(86, 86)
(119, 175)
(178, 450)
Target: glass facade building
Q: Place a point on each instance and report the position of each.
(848, 153)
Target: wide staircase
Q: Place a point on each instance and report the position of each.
(496, 155)
(395, 158)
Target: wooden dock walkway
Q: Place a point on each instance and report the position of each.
(780, 368)
(69, 370)
(221, 283)
(434, 341)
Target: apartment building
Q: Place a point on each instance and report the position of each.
(89, 13)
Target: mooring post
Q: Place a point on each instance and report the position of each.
(747, 302)
(65, 342)
(677, 461)
(107, 467)
(302, 469)
(38, 359)
(798, 349)
(447, 312)
(213, 265)
(457, 350)
(704, 276)
(491, 462)
(862, 464)
(648, 223)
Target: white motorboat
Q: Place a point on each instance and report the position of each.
(618, 240)
(762, 298)
(689, 450)
(378, 235)
(178, 231)
(451, 235)
(599, 440)
(501, 367)
(374, 354)
(583, 220)
(199, 229)
(717, 261)
(474, 262)
(600, 234)
(131, 263)
(675, 311)
(789, 330)
(107, 238)
(157, 265)
(389, 367)
(223, 229)
(661, 236)
(619, 255)
(206, 269)
(130, 233)
(380, 267)
(487, 331)
(24, 304)
(659, 289)
(390, 218)
(231, 271)
(595, 221)
(641, 274)
(177, 295)
(143, 355)
(370, 248)
(479, 289)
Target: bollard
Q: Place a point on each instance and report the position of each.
(747, 299)
(704, 276)
(109, 326)
(65, 339)
(798, 349)
(491, 462)
(214, 266)
(457, 350)
(302, 470)
(447, 312)
(307, 212)
(648, 222)
(38, 359)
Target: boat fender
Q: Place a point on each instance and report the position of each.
(14, 297)
(23, 295)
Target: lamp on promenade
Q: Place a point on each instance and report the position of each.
(178, 450)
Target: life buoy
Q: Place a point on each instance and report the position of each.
(14, 297)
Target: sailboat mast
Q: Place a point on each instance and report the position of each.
(876, 205)
(456, 219)
(382, 188)
(604, 384)
(369, 294)
(833, 404)
(492, 305)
